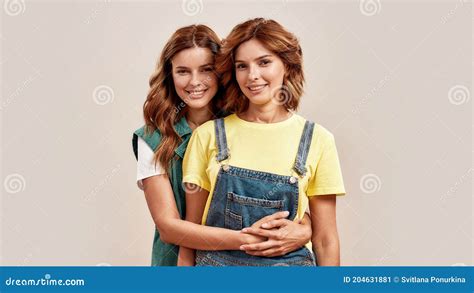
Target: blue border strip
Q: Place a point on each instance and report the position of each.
(238, 279)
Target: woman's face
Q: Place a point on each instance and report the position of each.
(194, 78)
(259, 72)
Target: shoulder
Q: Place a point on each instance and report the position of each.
(147, 134)
(205, 128)
(151, 138)
(321, 135)
(205, 131)
(205, 134)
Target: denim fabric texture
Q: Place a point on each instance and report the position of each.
(242, 196)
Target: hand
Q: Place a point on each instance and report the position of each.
(252, 238)
(283, 236)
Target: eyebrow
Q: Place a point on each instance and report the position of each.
(261, 57)
(205, 65)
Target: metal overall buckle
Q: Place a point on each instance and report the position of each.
(225, 163)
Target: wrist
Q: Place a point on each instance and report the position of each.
(242, 238)
(237, 239)
(308, 233)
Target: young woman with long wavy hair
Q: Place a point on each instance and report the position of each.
(184, 93)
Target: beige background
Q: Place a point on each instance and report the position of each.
(391, 79)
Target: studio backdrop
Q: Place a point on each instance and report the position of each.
(392, 80)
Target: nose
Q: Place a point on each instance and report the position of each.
(195, 80)
(254, 73)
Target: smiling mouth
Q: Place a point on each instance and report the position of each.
(196, 94)
(256, 88)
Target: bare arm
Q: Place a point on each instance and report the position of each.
(195, 204)
(325, 238)
(162, 205)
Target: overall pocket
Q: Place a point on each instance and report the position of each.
(242, 211)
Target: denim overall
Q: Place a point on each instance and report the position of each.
(242, 196)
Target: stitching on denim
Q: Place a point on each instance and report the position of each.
(303, 148)
(295, 206)
(257, 175)
(214, 198)
(230, 217)
(222, 152)
(218, 131)
(252, 201)
(217, 256)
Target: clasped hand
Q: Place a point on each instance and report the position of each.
(275, 235)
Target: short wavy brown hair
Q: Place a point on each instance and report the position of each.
(275, 38)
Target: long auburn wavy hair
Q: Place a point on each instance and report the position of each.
(276, 39)
(163, 107)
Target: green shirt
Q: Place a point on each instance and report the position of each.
(164, 254)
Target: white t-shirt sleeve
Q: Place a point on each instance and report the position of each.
(145, 163)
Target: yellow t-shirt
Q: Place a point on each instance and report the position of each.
(266, 147)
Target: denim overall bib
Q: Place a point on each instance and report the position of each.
(242, 196)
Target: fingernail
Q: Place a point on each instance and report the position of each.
(264, 225)
(245, 230)
(241, 247)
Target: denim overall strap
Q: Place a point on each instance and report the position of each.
(221, 140)
(303, 148)
(242, 196)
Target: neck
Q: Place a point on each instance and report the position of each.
(268, 113)
(196, 117)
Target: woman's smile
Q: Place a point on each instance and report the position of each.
(196, 93)
(257, 89)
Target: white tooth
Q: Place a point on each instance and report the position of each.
(257, 87)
